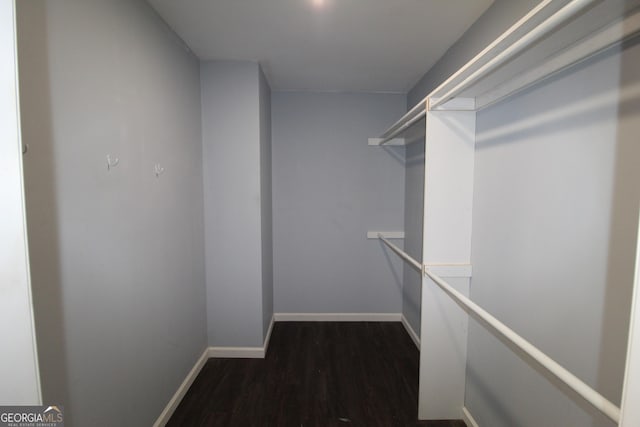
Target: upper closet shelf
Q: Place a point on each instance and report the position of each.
(555, 35)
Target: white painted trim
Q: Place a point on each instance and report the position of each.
(385, 234)
(407, 326)
(236, 352)
(468, 418)
(337, 317)
(448, 202)
(208, 353)
(19, 370)
(268, 337)
(243, 352)
(378, 142)
(450, 270)
(175, 400)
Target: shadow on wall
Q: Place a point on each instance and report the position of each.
(413, 222)
(551, 121)
(506, 413)
(41, 203)
(475, 380)
(411, 304)
(397, 276)
(623, 229)
(397, 153)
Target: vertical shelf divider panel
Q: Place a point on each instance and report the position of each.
(449, 160)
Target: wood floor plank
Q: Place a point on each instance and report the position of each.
(315, 374)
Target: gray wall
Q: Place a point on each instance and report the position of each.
(329, 189)
(555, 210)
(554, 225)
(266, 205)
(231, 138)
(116, 257)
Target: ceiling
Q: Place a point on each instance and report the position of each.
(325, 45)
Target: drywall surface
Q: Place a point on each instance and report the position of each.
(266, 205)
(496, 20)
(413, 218)
(20, 383)
(233, 206)
(329, 189)
(554, 229)
(117, 257)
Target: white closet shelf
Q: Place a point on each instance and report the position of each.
(554, 36)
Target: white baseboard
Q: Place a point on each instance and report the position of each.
(211, 352)
(243, 352)
(268, 337)
(175, 400)
(411, 332)
(337, 317)
(468, 419)
(236, 352)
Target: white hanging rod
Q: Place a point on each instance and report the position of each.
(580, 387)
(503, 54)
(621, 30)
(514, 31)
(409, 119)
(405, 256)
(544, 28)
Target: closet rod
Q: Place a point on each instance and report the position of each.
(581, 388)
(496, 52)
(401, 253)
(595, 43)
(404, 127)
(544, 28)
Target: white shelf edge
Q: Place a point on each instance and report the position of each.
(395, 141)
(456, 104)
(385, 234)
(451, 270)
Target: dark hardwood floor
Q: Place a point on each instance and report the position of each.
(320, 374)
